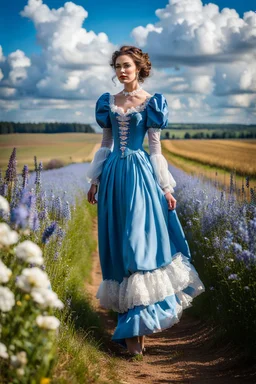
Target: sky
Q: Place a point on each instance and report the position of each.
(54, 57)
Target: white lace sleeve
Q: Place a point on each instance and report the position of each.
(95, 168)
(158, 161)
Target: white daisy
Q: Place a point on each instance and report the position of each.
(3, 351)
(5, 273)
(4, 205)
(7, 235)
(47, 322)
(29, 252)
(32, 278)
(7, 300)
(46, 298)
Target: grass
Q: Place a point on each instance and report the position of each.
(80, 358)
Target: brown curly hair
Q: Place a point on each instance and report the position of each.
(141, 60)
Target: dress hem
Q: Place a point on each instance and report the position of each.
(147, 288)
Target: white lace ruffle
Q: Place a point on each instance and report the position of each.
(149, 287)
(95, 167)
(120, 111)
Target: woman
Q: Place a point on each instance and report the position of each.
(145, 259)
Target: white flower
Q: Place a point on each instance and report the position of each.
(32, 278)
(46, 298)
(20, 371)
(3, 351)
(47, 322)
(5, 273)
(4, 205)
(7, 235)
(19, 360)
(29, 252)
(7, 300)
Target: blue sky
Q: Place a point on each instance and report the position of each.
(203, 57)
(17, 32)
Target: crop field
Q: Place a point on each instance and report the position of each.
(67, 147)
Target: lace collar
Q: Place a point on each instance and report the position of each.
(120, 111)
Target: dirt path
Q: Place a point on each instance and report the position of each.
(185, 353)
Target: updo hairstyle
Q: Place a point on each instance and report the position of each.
(141, 60)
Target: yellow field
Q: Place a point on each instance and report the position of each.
(68, 147)
(204, 158)
(214, 159)
(225, 154)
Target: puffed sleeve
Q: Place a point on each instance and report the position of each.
(157, 119)
(157, 112)
(102, 111)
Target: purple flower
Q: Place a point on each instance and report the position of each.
(25, 176)
(11, 172)
(48, 232)
(19, 216)
(233, 276)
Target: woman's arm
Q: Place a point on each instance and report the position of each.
(95, 167)
(160, 166)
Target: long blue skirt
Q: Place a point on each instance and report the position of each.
(145, 258)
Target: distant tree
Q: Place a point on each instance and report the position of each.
(167, 135)
(187, 135)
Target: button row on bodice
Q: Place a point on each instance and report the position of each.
(123, 130)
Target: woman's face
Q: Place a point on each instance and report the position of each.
(125, 69)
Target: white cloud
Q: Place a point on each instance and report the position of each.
(214, 51)
(203, 62)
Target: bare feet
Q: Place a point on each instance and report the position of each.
(142, 342)
(133, 345)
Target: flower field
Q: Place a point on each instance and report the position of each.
(45, 250)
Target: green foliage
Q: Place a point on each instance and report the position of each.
(11, 127)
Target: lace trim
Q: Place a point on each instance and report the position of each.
(150, 287)
(120, 111)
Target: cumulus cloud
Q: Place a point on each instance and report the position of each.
(214, 50)
(203, 62)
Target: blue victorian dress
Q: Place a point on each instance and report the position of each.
(147, 275)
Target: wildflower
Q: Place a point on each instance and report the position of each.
(25, 176)
(45, 380)
(11, 172)
(7, 235)
(233, 276)
(47, 322)
(3, 351)
(4, 205)
(19, 216)
(29, 252)
(7, 300)
(32, 278)
(19, 360)
(66, 211)
(48, 232)
(46, 298)
(5, 273)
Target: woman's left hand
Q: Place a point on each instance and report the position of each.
(170, 200)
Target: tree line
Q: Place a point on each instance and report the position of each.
(11, 127)
(214, 135)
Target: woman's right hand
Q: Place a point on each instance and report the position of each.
(91, 194)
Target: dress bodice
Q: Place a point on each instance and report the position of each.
(129, 128)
